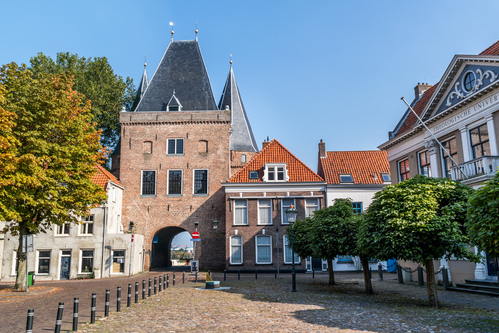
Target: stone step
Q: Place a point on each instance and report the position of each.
(483, 287)
(482, 282)
(473, 291)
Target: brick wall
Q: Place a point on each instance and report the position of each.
(248, 232)
(199, 130)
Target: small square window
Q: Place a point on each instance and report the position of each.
(253, 174)
(386, 177)
(175, 147)
(347, 178)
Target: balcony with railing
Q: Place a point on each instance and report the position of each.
(477, 170)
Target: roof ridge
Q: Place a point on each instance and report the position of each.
(109, 175)
(306, 166)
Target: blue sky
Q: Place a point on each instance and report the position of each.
(306, 70)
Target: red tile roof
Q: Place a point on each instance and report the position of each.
(411, 119)
(360, 164)
(492, 49)
(275, 152)
(102, 177)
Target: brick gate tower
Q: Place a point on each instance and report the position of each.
(177, 147)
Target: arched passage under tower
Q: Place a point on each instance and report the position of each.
(161, 246)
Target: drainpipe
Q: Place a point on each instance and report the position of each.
(103, 239)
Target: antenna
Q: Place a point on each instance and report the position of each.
(196, 31)
(171, 25)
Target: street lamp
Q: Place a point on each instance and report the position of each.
(291, 215)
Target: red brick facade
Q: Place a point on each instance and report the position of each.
(206, 146)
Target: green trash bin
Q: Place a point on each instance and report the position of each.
(31, 278)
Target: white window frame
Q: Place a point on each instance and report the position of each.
(194, 182)
(270, 212)
(388, 175)
(443, 154)
(399, 169)
(168, 182)
(243, 158)
(14, 262)
(155, 183)
(58, 227)
(274, 166)
(82, 226)
(257, 246)
(81, 260)
(284, 208)
(230, 249)
(251, 171)
(285, 244)
(317, 205)
(37, 263)
(168, 144)
(241, 207)
(420, 169)
(113, 193)
(112, 262)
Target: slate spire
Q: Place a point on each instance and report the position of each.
(181, 69)
(242, 138)
(142, 88)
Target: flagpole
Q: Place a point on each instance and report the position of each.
(445, 150)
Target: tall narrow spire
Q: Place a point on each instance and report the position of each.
(141, 89)
(242, 138)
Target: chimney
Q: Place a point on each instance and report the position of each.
(265, 143)
(420, 89)
(322, 149)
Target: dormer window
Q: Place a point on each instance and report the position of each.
(174, 104)
(386, 177)
(275, 172)
(346, 178)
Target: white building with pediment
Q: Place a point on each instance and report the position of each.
(461, 111)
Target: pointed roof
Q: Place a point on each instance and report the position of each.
(181, 69)
(141, 89)
(102, 177)
(275, 152)
(362, 165)
(174, 101)
(242, 138)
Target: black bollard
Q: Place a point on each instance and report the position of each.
(149, 290)
(168, 280)
(58, 322)
(155, 285)
(445, 278)
(136, 292)
(225, 275)
(313, 273)
(183, 277)
(399, 274)
(92, 308)
(239, 274)
(380, 272)
(29, 321)
(174, 279)
(370, 273)
(209, 273)
(75, 314)
(420, 276)
(143, 289)
(256, 274)
(160, 283)
(106, 304)
(196, 276)
(164, 281)
(118, 300)
(275, 274)
(129, 299)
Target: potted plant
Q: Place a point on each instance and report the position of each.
(96, 273)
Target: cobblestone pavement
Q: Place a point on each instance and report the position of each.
(262, 305)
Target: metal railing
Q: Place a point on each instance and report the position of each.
(486, 165)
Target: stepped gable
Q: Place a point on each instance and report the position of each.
(242, 138)
(275, 152)
(360, 164)
(102, 177)
(182, 70)
(141, 89)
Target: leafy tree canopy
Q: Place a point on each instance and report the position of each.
(52, 149)
(96, 80)
(483, 217)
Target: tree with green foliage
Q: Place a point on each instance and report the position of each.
(483, 217)
(330, 232)
(421, 220)
(53, 149)
(96, 80)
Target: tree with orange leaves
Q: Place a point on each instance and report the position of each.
(48, 152)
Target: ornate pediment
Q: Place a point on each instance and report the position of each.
(470, 81)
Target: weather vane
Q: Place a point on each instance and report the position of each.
(171, 25)
(196, 31)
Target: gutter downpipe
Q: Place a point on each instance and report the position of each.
(104, 239)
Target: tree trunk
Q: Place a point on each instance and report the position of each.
(367, 278)
(430, 283)
(330, 270)
(21, 262)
